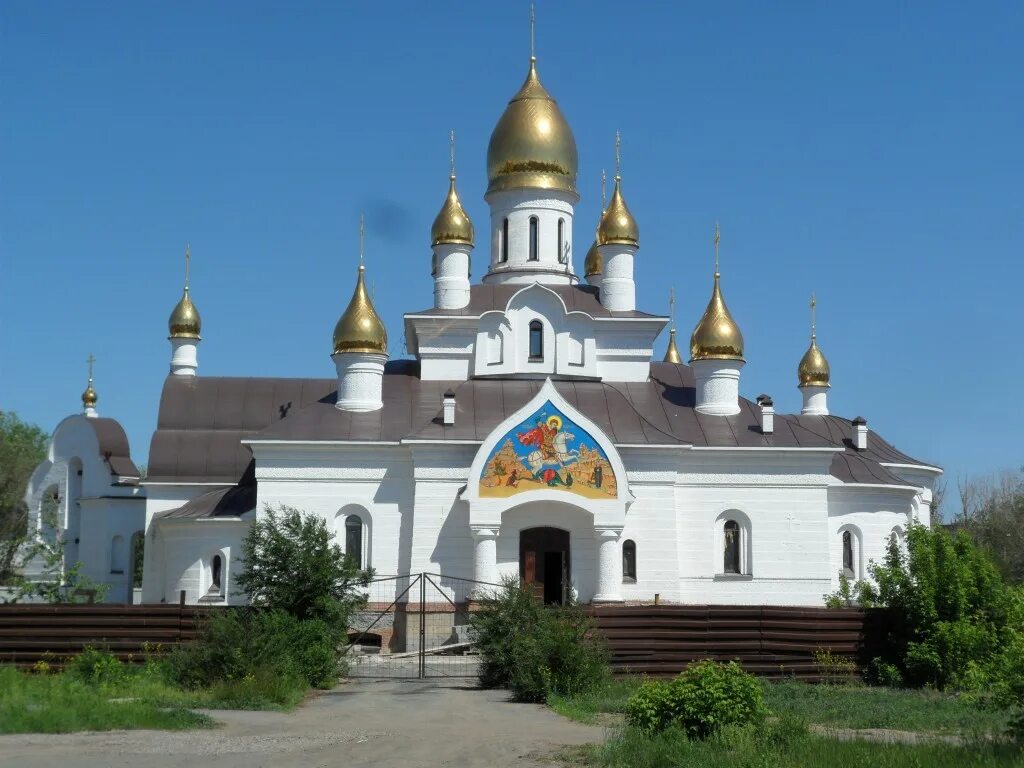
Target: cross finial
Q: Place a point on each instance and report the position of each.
(362, 238)
(814, 303)
(188, 260)
(604, 192)
(533, 24)
(718, 239)
(90, 360)
(618, 156)
(672, 305)
(451, 147)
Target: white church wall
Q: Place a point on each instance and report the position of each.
(187, 548)
(105, 519)
(872, 513)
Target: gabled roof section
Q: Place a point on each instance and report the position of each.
(113, 446)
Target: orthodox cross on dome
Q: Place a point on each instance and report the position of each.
(618, 156)
(188, 260)
(814, 303)
(718, 239)
(90, 361)
(451, 143)
(533, 24)
(604, 191)
(672, 306)
(362, 238)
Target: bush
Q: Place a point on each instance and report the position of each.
(701, 700)
(243, 643)
(96, 667)
(537, 650)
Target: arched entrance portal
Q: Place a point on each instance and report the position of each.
(544, 562)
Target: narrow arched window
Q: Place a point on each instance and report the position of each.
(731, 560)
(117, 554)
(354, 539)
(216, 573)
(504, 241)
(138, 557)
(536, 340)
(848, 570)
(534, 239)
(561, 241)
(629, 561)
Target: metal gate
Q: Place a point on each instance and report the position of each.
(416, 626)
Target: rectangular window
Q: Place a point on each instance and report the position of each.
(534, 241)
(536, 341)
(562, 254)
(504, 241)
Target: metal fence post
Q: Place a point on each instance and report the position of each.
(423, 628)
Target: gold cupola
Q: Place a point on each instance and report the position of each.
(716, 337)
(532, 146)
(813, 370)
(452, 226)
(360, 328)
(593, 264)
(89, 396)
(672, 351)
(617, 223)
(185, 322)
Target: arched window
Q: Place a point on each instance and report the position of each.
(534, 239)
(629, 561)
(536, 340)
(503, 254)
(731, 558)
(138, 555)
(117, 555)
(217, 574)
(848, 569)
(561, 242)
(354, 538)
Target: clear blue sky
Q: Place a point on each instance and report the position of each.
(871, 152)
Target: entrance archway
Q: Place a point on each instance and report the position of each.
(544, 562)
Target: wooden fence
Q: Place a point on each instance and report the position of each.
(768, 641)
(53, 633)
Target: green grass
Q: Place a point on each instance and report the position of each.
(846, 706)
(31, 703)
(782, 747)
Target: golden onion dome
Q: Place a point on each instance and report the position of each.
(716, 337)
(360, 328)
(617, 223)
(813, 370)
(593, 264)
(89, 396)
(452, 225)
(185, 322)
(672, 353)
(532, 145)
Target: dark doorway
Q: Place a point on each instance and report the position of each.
(544, 562)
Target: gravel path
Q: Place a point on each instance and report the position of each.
(394, 724)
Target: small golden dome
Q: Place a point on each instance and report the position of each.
(813, 370)
(89, 396)
(185, 322)
(452, 225)
(593, 264)
(672, 353)
(532, 145)
(716, 337)
(617, 223)
(360, 328)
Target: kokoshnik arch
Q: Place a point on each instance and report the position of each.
(528, 432)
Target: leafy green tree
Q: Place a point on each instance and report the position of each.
(292, 563)
(992, 513)
(22, 447)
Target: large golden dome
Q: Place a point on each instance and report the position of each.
(716, 337)
(813, 370)
(452, 225)
(617, 223)
(360, 328)
(532, 145)
(185, 322)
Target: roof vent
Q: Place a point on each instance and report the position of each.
(860, 433)
(767, 414)
(448, 408)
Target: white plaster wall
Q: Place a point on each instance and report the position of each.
(451, 275)
(871, 511)
(518, 206)
(187, 548)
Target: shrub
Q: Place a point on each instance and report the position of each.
(701, 700)
(96, 667)
(537, 650)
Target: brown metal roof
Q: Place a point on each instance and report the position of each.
(577, 298)
(114, 449)
(223, 502)
(202, 420)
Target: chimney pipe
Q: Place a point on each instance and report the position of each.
(860, 433)
(448, 408)
(767, 414)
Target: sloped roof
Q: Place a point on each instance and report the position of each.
(113, 447)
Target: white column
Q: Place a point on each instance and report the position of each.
(718, 386)
(485, 555)
(451, 276)
(609, 566)
(184, 356)
(815, 401)
(618, 290)
(360, 380)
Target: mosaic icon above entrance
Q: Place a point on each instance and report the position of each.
(548, 451)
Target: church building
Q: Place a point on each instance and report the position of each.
(529, 433)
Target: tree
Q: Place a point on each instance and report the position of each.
(992, 513)
(292, 563)
(22, 447)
